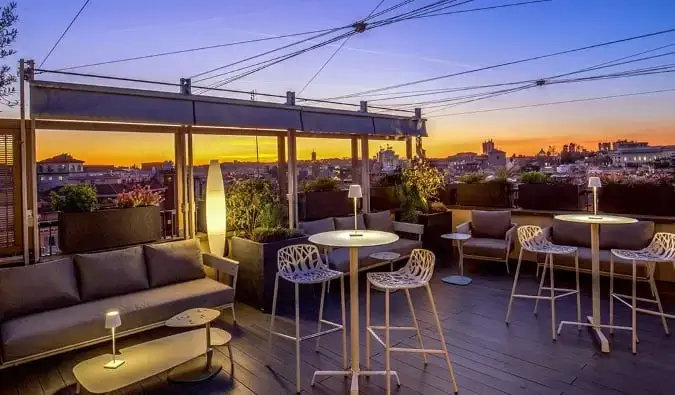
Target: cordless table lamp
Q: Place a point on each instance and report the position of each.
(355, 193)
(594, 182)
(112, 321)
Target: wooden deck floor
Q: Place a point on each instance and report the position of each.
(488, 356)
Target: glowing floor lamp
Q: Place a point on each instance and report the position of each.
(216, 223)
(355, 193)
(112, 321)
(594, 182)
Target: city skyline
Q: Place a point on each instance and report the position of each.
(386, 56)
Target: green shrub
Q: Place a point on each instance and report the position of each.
(251, 204)
(269, 235)
(321, 184)
(74, 199)
(534, 177)
(437, 207)
(472, 178)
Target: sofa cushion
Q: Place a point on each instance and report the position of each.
(174, 262)
(490, 224)
(484, 247)
(110, 273)
(571, 233)
(338, 259)
(49, 330)
(380, 221)
(633, 236)
(347, 223)
(35, 288)
(318, 226)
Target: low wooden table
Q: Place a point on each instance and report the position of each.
(145, 360)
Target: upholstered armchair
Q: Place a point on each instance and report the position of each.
(492, 236)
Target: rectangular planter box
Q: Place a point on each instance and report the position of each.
(435, 225)
(637, 199)
(448, 195)
(486, 194)
(319, 205)
(550, 197)
(106, 229)
(383, 198)
(257, 271)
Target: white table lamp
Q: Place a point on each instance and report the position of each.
(216, 222)
(355, 193)
(112, 321)
(595, 183)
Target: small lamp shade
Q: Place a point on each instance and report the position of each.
(594, 182)
(355, 192)
(216, 225)
(112, 319)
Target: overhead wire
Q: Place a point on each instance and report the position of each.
(56, 44)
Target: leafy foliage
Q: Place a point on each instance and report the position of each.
(638, 179)
(74, 199)
(534, 177)
(139, 197)
(472, 178)
(423, 180)
(437, 207)
(253, 204)
(8, 35)
(270, 235)
(321, 184)
(390, 179)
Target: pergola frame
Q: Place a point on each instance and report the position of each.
(84, 107)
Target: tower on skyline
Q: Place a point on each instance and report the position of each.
(488, 146)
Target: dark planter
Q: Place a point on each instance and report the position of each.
(550, 197)
(319, 205)
(435, 225)
(257, 270)
(384, 198)
(641, 199)
(486, 194)
(448, 195)
(106, 229)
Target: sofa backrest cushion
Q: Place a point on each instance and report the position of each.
(490, 224)
(380, 221)
(174, 262)
(633, 236)
(571, 233)
(347, 223)
(111, 273)
(35, 288)
(318, 226)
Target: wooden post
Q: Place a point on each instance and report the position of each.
(408, 148)
(179, 181)
(355, 161)
(365, 174)
(32, 179)
(190, 185)
(24, 163)
(282, 174)
(292, 171)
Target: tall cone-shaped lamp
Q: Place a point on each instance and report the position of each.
(216, 222)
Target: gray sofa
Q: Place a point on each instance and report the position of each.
(56, 306)
(492, 236)
(633, 236)
(338, 258)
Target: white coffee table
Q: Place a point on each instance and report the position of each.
(460, 238)
(145, 360)
(197, 369)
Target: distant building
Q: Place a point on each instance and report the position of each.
(313, 156)
(496, 158)
(57, 171)
(625, 144)
(387, 160)
(157, 166)
(488, 146)
(604, 147)
(633, 154)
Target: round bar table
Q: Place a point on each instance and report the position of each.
(595, 221)
(353, 241)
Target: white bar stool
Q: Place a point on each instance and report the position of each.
(661, 249)
(415, 274)
(302, 264)
(533, 239)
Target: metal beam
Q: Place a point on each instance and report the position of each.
(365, 174)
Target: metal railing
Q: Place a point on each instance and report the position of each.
(49, 232)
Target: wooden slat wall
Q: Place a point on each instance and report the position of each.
(10, 199)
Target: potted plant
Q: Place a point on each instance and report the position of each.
(641, 194)
(383, 195)
(84, 228)
(480, 190)
(322, 198)
(255, 213)
(419, 194)
(539, 191)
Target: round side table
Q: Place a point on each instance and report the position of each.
(460, 238)
(196, 370)
(387, 257)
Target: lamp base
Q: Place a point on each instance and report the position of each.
(356, 235)
(595, 216)
(114, 364)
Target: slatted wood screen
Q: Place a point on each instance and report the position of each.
(10, 194)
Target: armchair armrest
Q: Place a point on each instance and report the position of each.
(222, 264)
(464, 227)
(407, 227)
(510, 232)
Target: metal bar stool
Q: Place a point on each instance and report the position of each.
(302, 264)
(661, 249)
(415, 274)
(533, 239)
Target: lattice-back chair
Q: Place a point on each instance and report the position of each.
(415, 274)
(660, 250)
(302, 264)
(533, 239)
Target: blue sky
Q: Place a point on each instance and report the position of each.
(389, 55)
